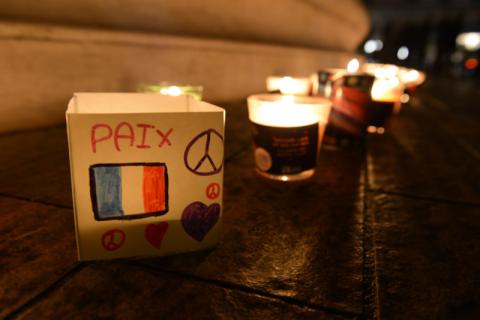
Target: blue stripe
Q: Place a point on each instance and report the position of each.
(108, 186)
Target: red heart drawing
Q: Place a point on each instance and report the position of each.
(155, 232)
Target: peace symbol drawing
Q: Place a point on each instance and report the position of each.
(213, 190)
(204, 154)
(113, 239)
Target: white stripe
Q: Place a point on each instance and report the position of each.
(132, 189)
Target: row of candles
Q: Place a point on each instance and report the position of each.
(335, 106)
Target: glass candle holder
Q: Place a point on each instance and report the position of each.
(350, 97)
(172, 89)
(386, 99)
(287, 132)
(410, 79)
(289, 85)
(362, 102)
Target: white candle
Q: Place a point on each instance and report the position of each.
(289, 85)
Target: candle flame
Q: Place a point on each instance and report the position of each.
(171, 91)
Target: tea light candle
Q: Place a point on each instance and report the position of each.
(171, 89)
(289, 85)
(287, 133)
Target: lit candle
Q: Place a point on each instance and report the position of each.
(351, 96)
(386, 99)
(289, 85)
(287, 133)
(175, 90)
(388, 86)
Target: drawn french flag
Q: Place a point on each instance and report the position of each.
(129, 190)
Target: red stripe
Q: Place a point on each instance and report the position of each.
(153, 188)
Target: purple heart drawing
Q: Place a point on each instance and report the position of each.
(198, 219)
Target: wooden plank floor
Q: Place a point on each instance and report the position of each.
(387, 229)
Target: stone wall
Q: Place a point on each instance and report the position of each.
(99, 46)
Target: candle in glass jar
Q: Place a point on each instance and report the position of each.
(289, 85)
(386, 95)
(287, 133)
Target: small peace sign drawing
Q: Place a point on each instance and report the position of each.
(213, 190)
(198, 154)
(113, 239)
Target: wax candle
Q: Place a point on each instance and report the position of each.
(287, 133)
(171, 89)
(289, 85)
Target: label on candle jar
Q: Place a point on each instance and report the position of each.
(285, 150)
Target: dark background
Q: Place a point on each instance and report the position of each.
(428, 28)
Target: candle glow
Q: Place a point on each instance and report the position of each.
(289, 85)
(387, 89)
(171, 91)
(411, 77)
(174, 90)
